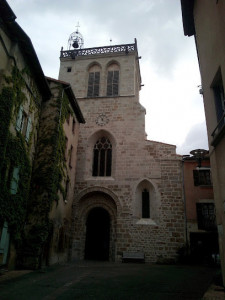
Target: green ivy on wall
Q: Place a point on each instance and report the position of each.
(49, 172)
(13, 153)
(36, 192)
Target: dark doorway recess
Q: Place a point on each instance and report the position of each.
(97, 234)
(203, 246)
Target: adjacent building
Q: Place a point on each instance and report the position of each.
(40, 121)
(128, 190)
(47, 238)
(201, 229)
(23, 88)
(205, 21)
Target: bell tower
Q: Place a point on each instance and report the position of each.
(75, 40)
(114, 70)
(106, 82)
(121, 178)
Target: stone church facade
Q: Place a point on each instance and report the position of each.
(128, 190)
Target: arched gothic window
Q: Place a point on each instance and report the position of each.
(113, 80)
(93, 81)
(145, 204)
(102, 157)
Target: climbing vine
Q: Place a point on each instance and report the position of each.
(49, 171)
(36, 191)
(13, 153)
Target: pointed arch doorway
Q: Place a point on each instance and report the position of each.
(97, 234)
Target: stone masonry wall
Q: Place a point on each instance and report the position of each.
(136, 163)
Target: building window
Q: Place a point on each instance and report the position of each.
(67, 188)
(14, 181)
(23, 123)
(219, 99)
(202, 177)
(93, 84)
(69, 69)
(68, 119)
(71, 156)
(145, 204)
(102, 158)
(66, 146)
(206, 216)
(113, 83)
(73, 126)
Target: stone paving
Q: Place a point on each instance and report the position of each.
(114, 281)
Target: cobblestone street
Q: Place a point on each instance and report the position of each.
(104, 280)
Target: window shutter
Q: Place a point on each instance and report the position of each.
(90, 84)
(206, 216)
(196, 177)
(219, 98)
(96, 84)
(19, 120)
(4, 242)
(28, 129)
(109, 83)
(113, 83)
(4, 235)
(116, 83)
(14, 181)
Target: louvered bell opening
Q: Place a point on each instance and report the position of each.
(90, 84)
(96, 84)
(109, 83)
(116, 83)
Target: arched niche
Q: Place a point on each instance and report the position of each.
(146, 187)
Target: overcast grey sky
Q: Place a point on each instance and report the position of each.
(169, 66)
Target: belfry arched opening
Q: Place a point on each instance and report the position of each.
(97, 234)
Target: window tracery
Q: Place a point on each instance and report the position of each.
(102, 157)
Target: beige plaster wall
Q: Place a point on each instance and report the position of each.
(210, 41)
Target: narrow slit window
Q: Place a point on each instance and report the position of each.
(73, 126)
(219, 99)
(145, 204)
(71, 157)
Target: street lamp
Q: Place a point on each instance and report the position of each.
(199, 155)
